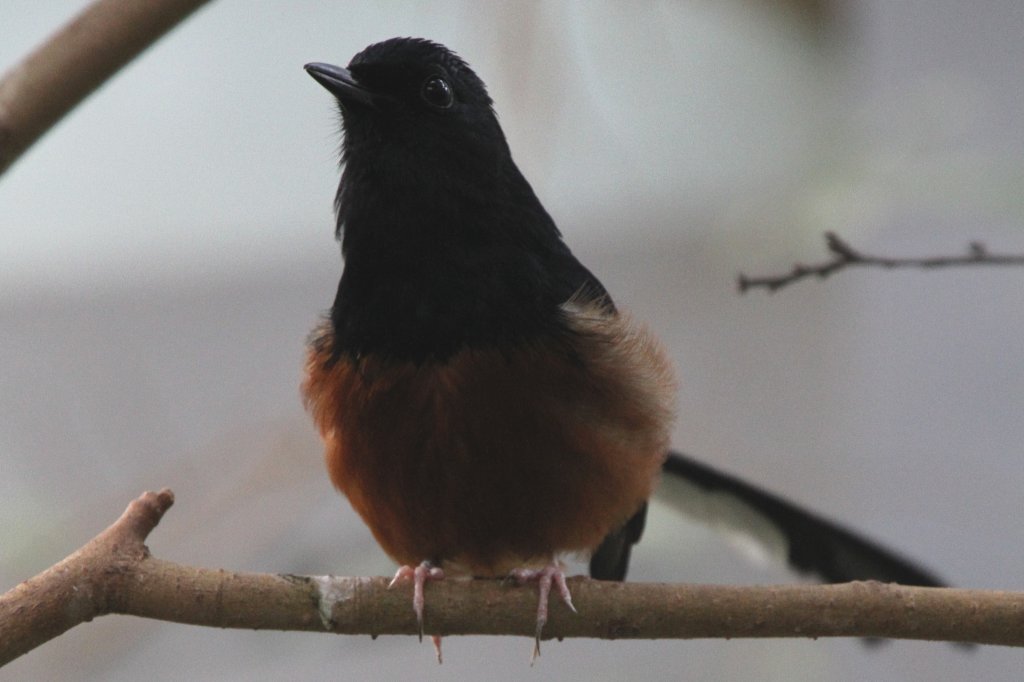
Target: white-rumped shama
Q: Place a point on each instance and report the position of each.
(485, 406)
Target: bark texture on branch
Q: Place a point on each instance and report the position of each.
(114, 573)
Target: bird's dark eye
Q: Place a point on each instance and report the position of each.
(437, 92)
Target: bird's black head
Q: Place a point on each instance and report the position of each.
(417, 97)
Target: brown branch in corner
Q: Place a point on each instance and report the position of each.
(114, 573)
(844, 255)
(60, 73)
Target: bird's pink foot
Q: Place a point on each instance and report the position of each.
(420, 575)
(552, 574)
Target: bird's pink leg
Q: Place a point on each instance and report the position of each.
(419, 576)
(545, 577)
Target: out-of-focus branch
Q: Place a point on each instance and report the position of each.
(60, 73)
(114, 573)
(844, 255)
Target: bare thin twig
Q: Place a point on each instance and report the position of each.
(844, 255)
(60, 73)
(114, 573)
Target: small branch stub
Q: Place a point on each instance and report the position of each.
(82, 586)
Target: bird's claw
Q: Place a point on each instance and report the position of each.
(552, 574)
(420, 575)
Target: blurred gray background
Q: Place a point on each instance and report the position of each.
(165, 250)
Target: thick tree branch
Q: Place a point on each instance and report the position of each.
(114, 573)
(76, 60)
(844, 255)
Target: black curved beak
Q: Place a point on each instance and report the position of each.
(340, 83)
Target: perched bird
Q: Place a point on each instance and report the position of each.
(485, 406)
